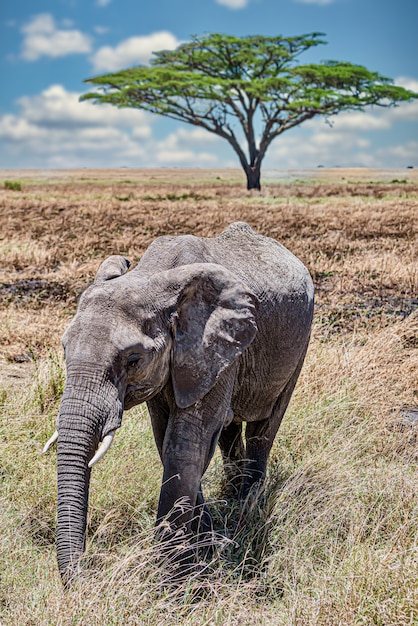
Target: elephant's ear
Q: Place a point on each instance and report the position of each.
(112, 267)
(215, 322)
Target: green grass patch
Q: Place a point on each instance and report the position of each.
(13, 185)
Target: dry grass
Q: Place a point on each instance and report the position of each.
(358, 239)
(333, 538)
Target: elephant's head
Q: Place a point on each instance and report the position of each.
(130, 335)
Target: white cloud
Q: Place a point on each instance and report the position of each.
(13, 128)
(346, 143)
(356, 121)
(186, 147)
(53, 129)
(375, 118)
(326, 147)
(352, 140)
(186, 158)
(37, 146)
(405, 112)
(103, 3)
(407, 82)
(42, 37)
(56, 107)
(233, 4)
(132, 51)
(196, 135)
(407, 152)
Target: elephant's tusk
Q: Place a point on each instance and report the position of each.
(50, 441)
(103, 448)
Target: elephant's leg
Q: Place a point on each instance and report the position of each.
(184, 458)
(259, 440)
(189, 444)
(233, 454)
(159, 412)
(259, 437)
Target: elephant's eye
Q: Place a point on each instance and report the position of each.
(133, 360)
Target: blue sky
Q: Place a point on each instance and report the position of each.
(48, 47)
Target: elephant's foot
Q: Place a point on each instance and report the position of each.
(182, 558)
(252, 479)
(186, 554)
(179, 575)
(234, 474)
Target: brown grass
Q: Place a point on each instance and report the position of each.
(358, 239)
(333, 539)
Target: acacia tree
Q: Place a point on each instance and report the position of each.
(248, 90)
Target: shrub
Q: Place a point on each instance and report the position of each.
(13, 185)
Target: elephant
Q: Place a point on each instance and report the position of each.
(211, 333)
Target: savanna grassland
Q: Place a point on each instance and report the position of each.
(333, 537)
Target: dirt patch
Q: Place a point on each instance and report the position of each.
(35, 292)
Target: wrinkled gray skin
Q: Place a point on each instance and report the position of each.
(211, 333)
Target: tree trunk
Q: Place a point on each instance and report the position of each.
(253, 177)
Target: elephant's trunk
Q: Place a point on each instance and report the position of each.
(85, 417)
(74, 452)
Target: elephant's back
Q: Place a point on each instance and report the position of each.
(269, 269)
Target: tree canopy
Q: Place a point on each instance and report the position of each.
(248, 90)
